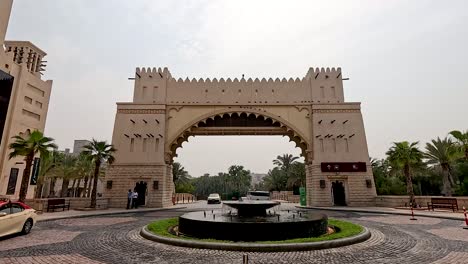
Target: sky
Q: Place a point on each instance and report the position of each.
(407, 62)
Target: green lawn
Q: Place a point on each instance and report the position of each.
(344, 229)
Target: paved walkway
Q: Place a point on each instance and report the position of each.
(398, 211)
(111, 211)
(116, 239)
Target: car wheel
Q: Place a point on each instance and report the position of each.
(27, 227)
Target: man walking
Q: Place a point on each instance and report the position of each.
(129, 198)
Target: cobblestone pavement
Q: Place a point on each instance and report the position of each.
(116, 239)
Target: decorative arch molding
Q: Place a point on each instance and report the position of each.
(183, 134)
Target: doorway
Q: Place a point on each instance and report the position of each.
(338, 191)
(140, 188)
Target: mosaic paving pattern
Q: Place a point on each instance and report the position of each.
(116, 239)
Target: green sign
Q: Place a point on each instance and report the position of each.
(303, 196)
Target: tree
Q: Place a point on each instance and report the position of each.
(285, 161)
(297, 175)
(66, 169)
(99, 152)
(28, 147)
(462, 139)
(276, 180)
(179, 174)
(85, 168)
(240, 178)
(46, 165)
(442, 153)
(404, 156)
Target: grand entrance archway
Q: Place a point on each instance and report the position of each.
(311, 111)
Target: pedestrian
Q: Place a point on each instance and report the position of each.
(129, 198)
(134, 199)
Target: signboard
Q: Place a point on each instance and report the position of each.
(302, 195)
(343, 167)
(35, 171)
(12, 181)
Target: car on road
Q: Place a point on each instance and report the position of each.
(214, 198)
(16, 217)
(258, 195)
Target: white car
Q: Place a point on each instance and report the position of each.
(16, 217)
(258, 195)
(214, 198)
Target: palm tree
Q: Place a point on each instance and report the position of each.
(285, 161)
(46, 165)
(99, 152)
(404, 156)
(297, 175)
(85, 168)
(276, 180)
(462, 139)
(443, 153)
(29, 146)
(66, 169)
(179, 174)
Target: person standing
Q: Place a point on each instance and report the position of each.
(135, 199)
(129, 198)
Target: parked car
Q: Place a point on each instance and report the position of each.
(16, 217)
(258, 195)
(214, 198)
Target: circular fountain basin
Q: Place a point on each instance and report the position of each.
(230, 226)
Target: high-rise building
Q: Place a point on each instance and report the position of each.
(24, 101)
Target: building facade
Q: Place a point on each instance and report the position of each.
(24, 101)
(311, 111)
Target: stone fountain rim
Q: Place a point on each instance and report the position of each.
(257, 247)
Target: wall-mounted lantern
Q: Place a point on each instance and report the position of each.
(109, 185)
(369, 183)
(322, 184)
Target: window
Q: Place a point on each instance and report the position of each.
(16, 208)
(156, 145)
(155, 92)
(12, 181)
(28, 100)
(5, 209)
(39, 104)
(144, 144)
(132, 144)
(36, 90)
(322, 91)
(321, 145)
(334, 145)
(333, 91)
(31, 114)
(347, 145)
(143, 93)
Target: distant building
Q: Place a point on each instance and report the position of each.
(79, 144)
(24, 102)
(257, 178)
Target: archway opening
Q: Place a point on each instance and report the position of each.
(339, 195)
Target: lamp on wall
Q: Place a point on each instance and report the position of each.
(155, 185)
(109, 185)
(368, 183)
(322, 184)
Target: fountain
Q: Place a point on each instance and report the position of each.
(250, 221)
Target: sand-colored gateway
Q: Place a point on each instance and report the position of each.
(311, 111)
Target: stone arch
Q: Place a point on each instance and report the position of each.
(183, 134)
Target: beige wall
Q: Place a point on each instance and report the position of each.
(402, 200)
(28, 104)
(5, 9)
(165, 111)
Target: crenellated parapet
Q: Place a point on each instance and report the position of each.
(320, 85)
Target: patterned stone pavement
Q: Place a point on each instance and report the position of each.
(116, 239)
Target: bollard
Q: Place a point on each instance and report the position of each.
(204, 214)
(412, 213)
(245, 259)
(466, 218)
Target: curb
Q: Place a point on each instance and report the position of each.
(108, 213)
(255, 247)
(460, 218)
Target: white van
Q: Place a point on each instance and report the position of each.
(258, 195)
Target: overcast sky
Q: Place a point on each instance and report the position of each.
(407, 62)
